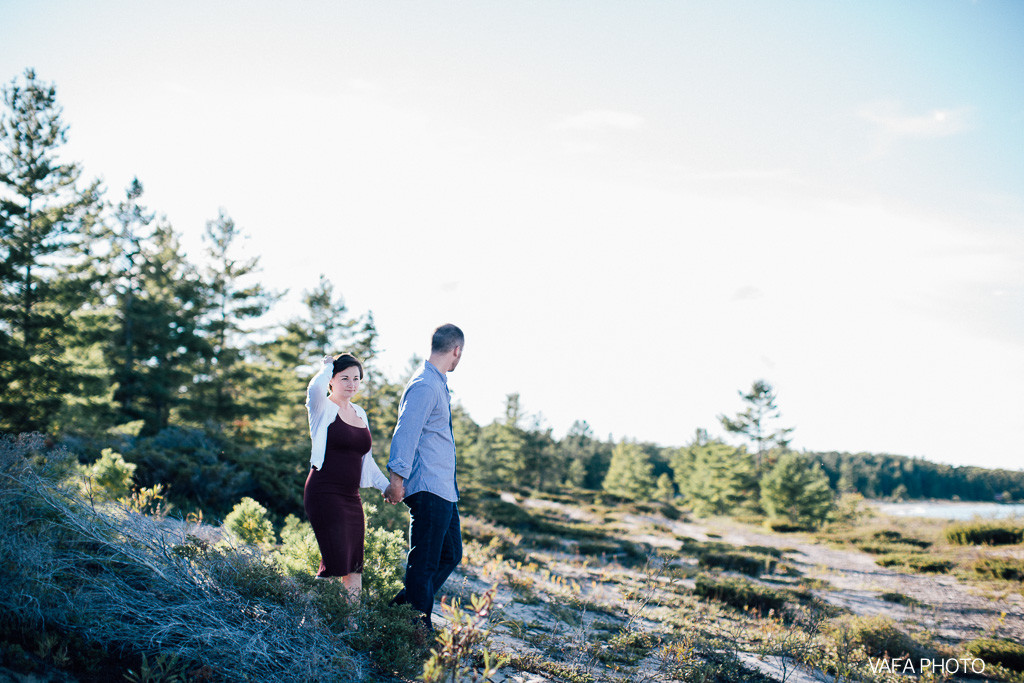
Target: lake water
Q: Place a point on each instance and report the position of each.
(951, 510)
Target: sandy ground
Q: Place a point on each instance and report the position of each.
(952, 610)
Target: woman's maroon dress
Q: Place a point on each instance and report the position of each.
(332, 501)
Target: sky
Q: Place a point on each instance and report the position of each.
(633, 210)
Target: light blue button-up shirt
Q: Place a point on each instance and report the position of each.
(423, 446)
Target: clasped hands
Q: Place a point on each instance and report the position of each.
(395, 491)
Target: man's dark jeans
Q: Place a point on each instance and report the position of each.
(435, 540)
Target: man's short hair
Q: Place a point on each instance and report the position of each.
(446, 338)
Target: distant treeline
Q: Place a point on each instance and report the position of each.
(899, 477)
(112, 337)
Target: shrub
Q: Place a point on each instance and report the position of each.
(384, 562)
(985, 533)
(893, 536)
(299, 553)
(886, 548)
(741, 594)
(248, 522)
(901, 599)
(915, 562)
(1005, 653)
(879, 636)
(1007, 568)
(390, 636)
(109, 478)
(750, 564)
(784, 527)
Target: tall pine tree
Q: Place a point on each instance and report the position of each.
(44, 216)
(221, 394)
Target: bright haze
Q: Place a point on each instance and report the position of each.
(633, 209)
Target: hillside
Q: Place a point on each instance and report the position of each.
(585, 588)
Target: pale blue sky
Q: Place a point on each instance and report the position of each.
(633, 209)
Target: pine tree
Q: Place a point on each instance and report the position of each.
(496, 457)
(44, 217)
(125, 264)
(714, 478)
(630, 474)
(663, 489)
(166, 315)
(234, 302)
(578, 452)
(752, 422)
(796, 491)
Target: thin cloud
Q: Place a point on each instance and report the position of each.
(938, 123)
(601, 119)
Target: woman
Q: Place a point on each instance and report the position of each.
(341, 464)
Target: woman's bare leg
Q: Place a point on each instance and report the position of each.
(354, 584)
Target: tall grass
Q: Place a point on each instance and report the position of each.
(126, 585)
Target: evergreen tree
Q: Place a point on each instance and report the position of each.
(630, 472)
(166, 314)
(581, 456)
(44, 217)
(126, 261)
(796, 491)
(664, 491)
(713, 477)
(753, 422)
(234, 302)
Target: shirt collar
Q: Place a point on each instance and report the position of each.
(441, 375)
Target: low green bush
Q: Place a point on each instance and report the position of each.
(915, 562)
(1005, 653)
(893, 536)
(985, 533)
(886, 547)
(879, 636)
(751, 564)
(784, 527)
(741, 594)
(1008, 568)
(298, 553)
(901, 599)
(249, 523)
(109, 478)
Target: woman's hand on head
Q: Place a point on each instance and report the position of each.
(327, 359)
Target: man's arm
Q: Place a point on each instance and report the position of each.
(412, 415)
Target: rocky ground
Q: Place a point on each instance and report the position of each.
(560, 609)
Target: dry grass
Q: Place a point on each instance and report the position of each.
(129, 585)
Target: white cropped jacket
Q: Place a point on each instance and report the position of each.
(322, 412)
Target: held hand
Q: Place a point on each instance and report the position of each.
(395, 492)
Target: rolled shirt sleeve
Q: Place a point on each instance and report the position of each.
(416, 406)
(423, 446)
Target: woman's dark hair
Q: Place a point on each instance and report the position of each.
(346, 361)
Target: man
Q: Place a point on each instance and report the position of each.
(422, 468)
